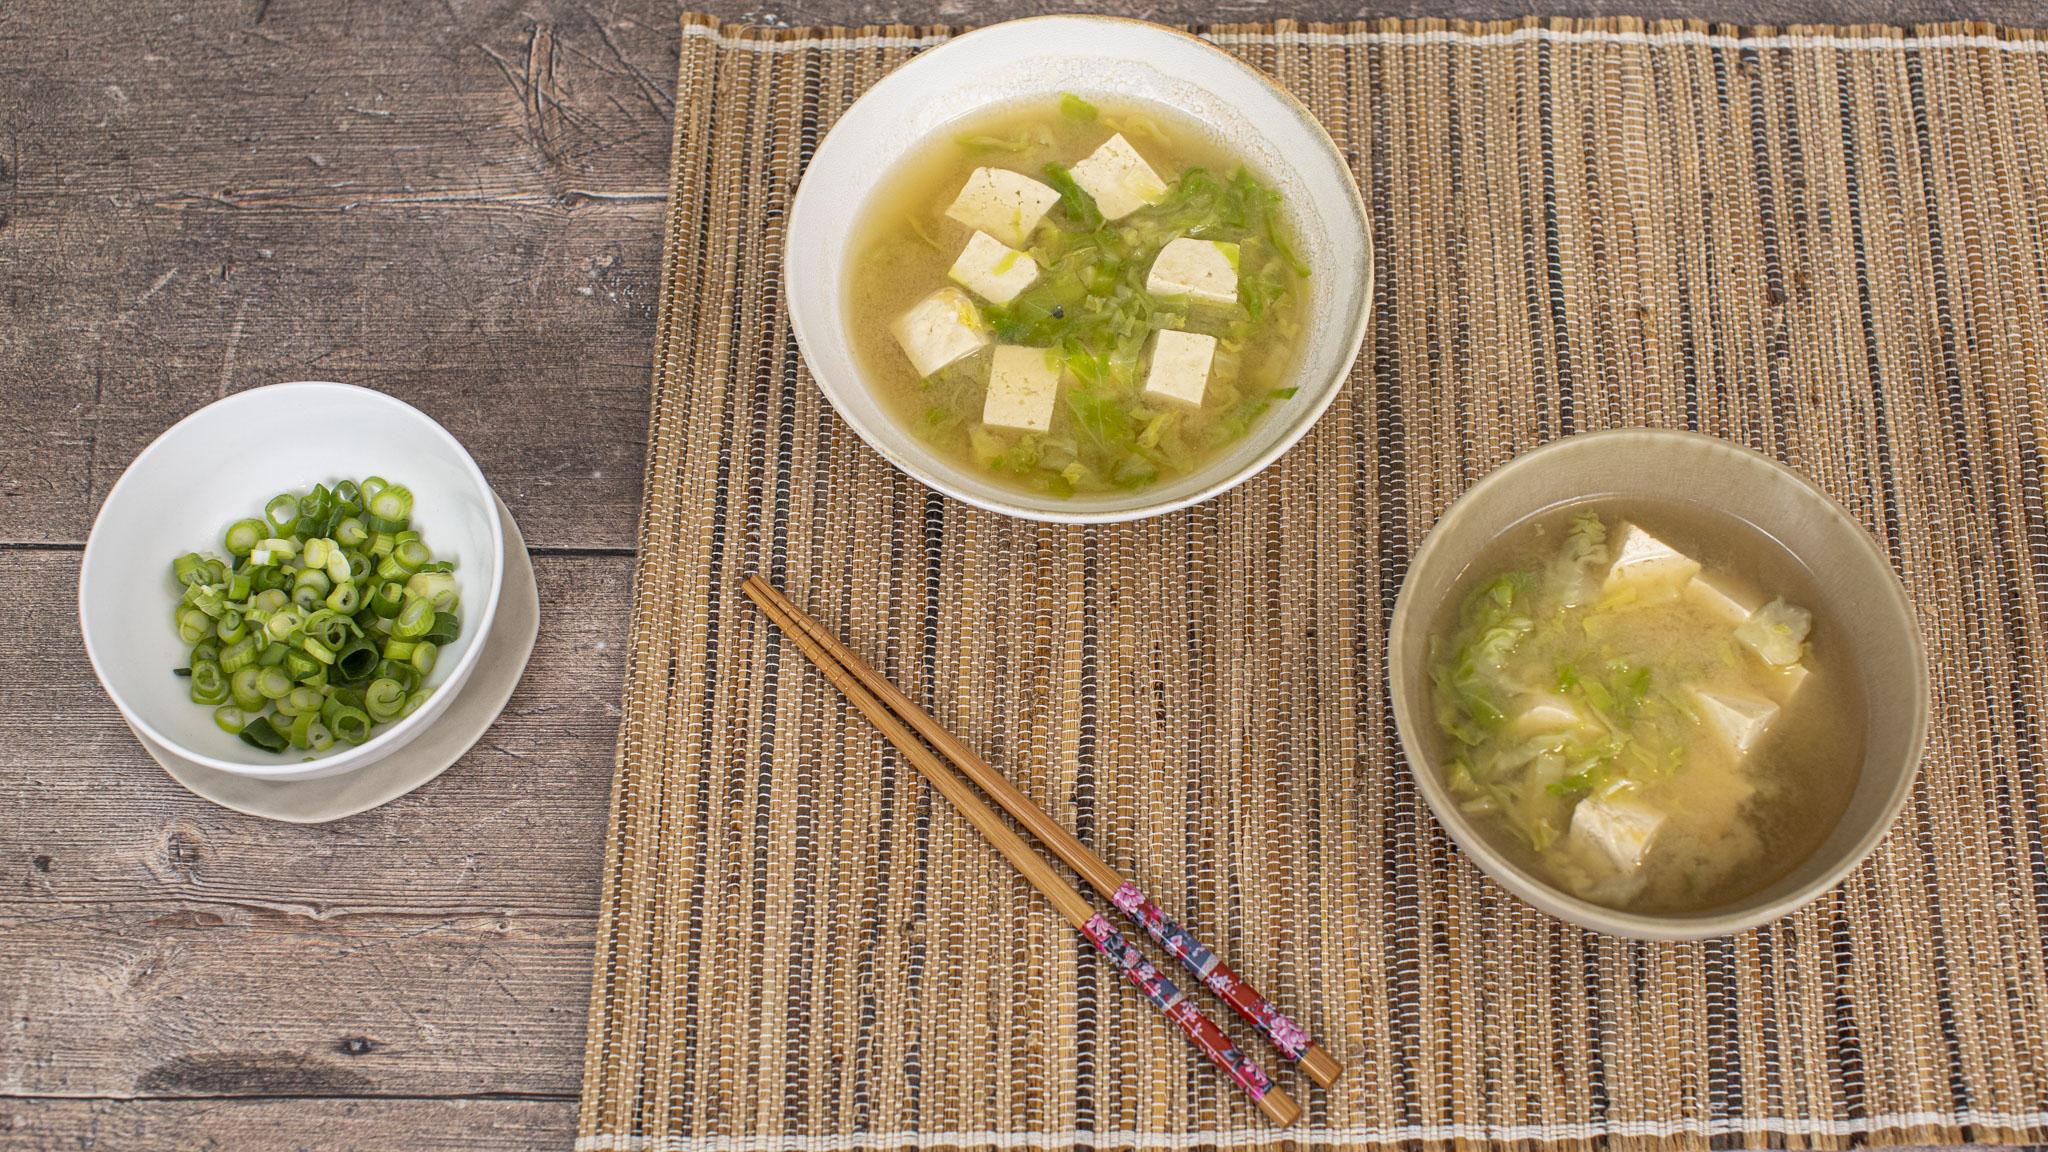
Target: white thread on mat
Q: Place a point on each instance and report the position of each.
(1252, 1138)
(1687, 38)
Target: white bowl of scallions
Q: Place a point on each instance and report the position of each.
(292, 582)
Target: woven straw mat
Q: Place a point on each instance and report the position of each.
(1829, 245)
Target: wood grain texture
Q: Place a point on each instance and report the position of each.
(153, 946)
(286, 1125)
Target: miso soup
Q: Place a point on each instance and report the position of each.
(1071, 296)
(1648, 704)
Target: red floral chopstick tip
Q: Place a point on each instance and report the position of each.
(1287, 1036)
(1175, 1005)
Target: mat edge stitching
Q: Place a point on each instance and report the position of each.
(1440, 36)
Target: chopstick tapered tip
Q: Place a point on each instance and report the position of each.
(1279, 1107)
(1321, 1066)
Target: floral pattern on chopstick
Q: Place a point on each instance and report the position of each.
(1256, 1010)
(1174, 1003)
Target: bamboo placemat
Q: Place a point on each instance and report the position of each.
(1831, 245)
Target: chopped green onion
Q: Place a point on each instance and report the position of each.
(413, 702)
(436, 587)
(283, 623)
(194, 625)
(350, 725)
(344, 599)
(386, 601)
(242, 689)
(244, 535)
(283, 514)
(273, 550)
(415, 620)
(296, 639)
(300, 701)
(392, 503)
(356, 659)
(411, 555)
(273, 684)
(384, 699)
(189, 569)
(314, 505)
(209, 686)
(446, 628)
(239, 655)
(262, 734)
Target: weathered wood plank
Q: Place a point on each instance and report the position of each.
(287, 1125)
(205, 998)
(92, 822)
(152, 944)
(462, 210)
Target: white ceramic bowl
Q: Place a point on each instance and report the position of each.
(1089, 56)
(221, 464)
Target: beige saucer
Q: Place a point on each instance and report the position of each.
(468, 717)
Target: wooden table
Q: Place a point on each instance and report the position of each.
(457, 203)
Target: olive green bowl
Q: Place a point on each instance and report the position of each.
(1854, 579)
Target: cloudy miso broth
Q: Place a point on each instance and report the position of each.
(1648, 704)
(1075, 296)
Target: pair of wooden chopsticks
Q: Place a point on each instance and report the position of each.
(889, 709)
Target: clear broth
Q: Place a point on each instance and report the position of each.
(907, 243)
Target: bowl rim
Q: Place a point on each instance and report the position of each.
(1353, 339)
(1556, 901)
(377, 746)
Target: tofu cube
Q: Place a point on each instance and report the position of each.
(1740, 721)
(1542, 713)
(1639, 556)
(939, 329)
(1007, 205)
(1615, 828)
(1180, 366)
(1790, 678)
(1719, 599)
(1023, 384)
(1202, 270)
(992, 269)
(1118, 179)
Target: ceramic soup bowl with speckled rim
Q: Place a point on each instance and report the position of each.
(1091, 56)
(1853, 576)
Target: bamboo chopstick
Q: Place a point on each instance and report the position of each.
(1287, 1037)
(1174, 1004)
